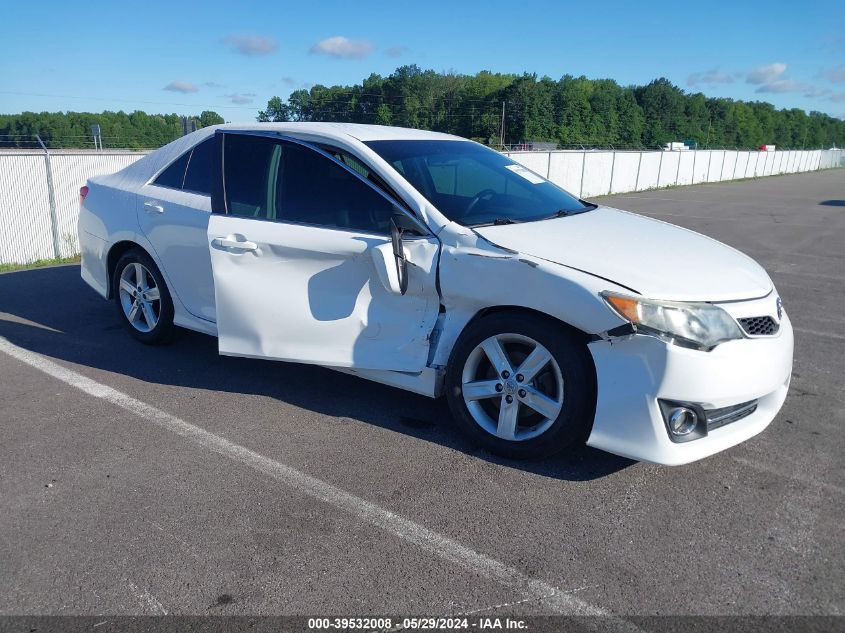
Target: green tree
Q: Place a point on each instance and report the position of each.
(208, 117)
(573, 111)
(277, 110)
(569, 111)
(663, 110)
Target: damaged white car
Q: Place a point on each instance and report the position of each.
(434, 264)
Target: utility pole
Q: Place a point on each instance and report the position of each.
(502, 129)
(51, 198)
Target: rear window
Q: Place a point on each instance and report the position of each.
(200, 165)
(192, 170)
(174, 175)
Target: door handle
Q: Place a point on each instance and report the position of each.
(153, 207)
(227, 244)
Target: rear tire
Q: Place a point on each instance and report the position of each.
(521, 385)
(142, 298)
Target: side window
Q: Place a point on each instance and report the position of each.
(199, 169)
(250, 164)
(191, 171)
(277, 180)
(356, 165)
(350, 161)
(315, 190)
(174, 175)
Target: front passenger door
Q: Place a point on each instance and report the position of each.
(291, 241)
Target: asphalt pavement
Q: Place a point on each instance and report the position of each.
(152, 480)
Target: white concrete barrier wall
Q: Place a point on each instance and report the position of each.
(565, 169)
(649, 170)
(26, 219)
(714, 166)
(27, 223)
(597, 173)
(626, 167)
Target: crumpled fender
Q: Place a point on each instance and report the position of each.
(476, 274)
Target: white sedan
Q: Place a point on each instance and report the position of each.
(434, 264)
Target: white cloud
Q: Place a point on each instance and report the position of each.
(771, 79)
(836, 74)
(213, 84)
(812, 92)
(251, 45)
(289, 81)
(181, 86)
(783, 85)
(714, 76)
(766, 74)
(240, 98)
(396, 51)
(838, 97)
(343, 47)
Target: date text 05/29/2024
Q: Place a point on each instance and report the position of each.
(418, 623)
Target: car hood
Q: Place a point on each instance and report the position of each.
(656, 259)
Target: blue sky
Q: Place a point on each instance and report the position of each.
(233, 56)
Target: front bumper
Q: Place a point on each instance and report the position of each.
(633, 372)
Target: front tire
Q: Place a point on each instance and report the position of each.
(142, 298)
(521, 385)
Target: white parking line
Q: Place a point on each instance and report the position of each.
(147, 599)
(792, 476)
(428, 540)
(635, 197)
(840, 337)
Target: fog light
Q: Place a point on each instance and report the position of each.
(685, 421)
(682, 421)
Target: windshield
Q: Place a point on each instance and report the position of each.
(474, 185)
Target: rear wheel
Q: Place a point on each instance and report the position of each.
(142, 298)
(521, 385)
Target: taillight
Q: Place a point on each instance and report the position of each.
(83, 191)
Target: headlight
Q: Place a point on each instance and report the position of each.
(699, 325)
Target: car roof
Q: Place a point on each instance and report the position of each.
(362, 132)
(142, 170)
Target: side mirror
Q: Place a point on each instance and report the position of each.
(389, 259)
(399, 255)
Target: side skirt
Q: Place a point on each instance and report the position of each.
(429, 382)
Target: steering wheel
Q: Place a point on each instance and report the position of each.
(481, 195)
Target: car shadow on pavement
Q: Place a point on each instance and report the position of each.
(51, 311)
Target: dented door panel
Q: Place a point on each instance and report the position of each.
(312, 295)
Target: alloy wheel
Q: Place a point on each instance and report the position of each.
(512, 387)
(140, 297)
